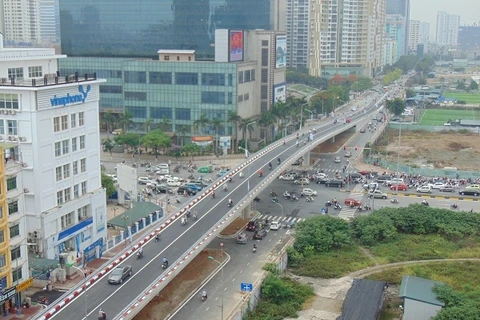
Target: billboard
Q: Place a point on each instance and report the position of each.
(235, 40)
(280, 92)
(281, 52)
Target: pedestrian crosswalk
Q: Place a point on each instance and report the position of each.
(280, 219)
(348, 213)
(338, 170)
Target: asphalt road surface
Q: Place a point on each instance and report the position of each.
(175, 241)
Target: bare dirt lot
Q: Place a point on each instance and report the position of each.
(235, 226)
(181, 286)
(435, 149)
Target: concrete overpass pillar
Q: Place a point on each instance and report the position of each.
(306, 160)
(332, 140)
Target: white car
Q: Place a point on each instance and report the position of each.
(302, 181)
(337, 160)
(436, 185)
(144, 180)
(114, 177)
(163, 171)
(308, 192)
(424, 189)
(275, 225)
(173, 183)
(287, 177)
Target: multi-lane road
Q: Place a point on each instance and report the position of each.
(177, 239)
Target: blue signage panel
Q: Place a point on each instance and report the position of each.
(79, 226)
(246, 287)
(69, 99)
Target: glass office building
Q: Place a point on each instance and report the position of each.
(125, 28)
(178, 91)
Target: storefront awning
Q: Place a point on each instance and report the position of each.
(139, 211)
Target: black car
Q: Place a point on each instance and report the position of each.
(334, 183)
(321, 180)
(260, 234)
(183, 189)
(355, 176)
(251, 226)
(162, 189)
(469, 192)
(383, 177)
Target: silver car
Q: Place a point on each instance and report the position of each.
(337, 160)
(119, 274)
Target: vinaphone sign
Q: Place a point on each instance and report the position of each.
(71, 99)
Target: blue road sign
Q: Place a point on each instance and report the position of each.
(246, 287)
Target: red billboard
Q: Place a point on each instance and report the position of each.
(236, 45)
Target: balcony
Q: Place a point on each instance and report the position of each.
(48, 80)
(12, 168)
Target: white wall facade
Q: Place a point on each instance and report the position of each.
(21, 19)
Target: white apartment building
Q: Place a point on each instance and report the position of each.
(447, 28)
(21, 21)
(297, 18)
(419, 33)
(346, 37)
(390, 52)
(51, 126)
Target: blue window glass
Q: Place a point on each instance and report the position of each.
(110, 89)
(213, 97)
(230, 98)
(213, 79)
(160, 77)
(138, 112)
(182, 114)
(160, 113)
(135, 96)
(186, 78)
(135, 77)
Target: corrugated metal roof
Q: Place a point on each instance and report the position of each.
(420, 289)
(364, 300)
(140, 210)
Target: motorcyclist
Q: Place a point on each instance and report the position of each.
(157, 237)
(260, 172)
(270, 165)
(140, 251)
(230, 201)
(278, 160)
(213, 195)
(296, 143)
(225, 187)
(101, 314)
(165, 261)
(204, 294)
(194, 216)
(424, 202)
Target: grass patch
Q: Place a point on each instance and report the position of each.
(333, 264)
(461, 276)
(437, 117)
(414, 247)
(464, 96)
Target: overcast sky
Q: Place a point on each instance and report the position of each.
(426, 10)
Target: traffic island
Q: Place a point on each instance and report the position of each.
(188, 281)
(235, 227)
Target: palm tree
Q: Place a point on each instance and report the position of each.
(108, 120)
(243, 125)
(217, 124)
(147, 125)
(235, 119)
(265, 121)
(165, 124)
(202, 122)
(183, 129)
(125, 120)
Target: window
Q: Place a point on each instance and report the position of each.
(56, 124)
(186, 78)
(65, 146)
(160, 77)
(182, 114)
(84, 187)
(264, 57)
(252, 74)
(8, 101)
(81, 119)
(213, 79)
(135, 96)
(11, 183)
(110, 89)
(59, 197)
(240, 98)
(17, 274)
(264, 43)
(66, 220)
(15, 253)
(230, 98)
(12, 127)
(2, 126)
(58, 149)
(2, 236)
(83, 165)
(264, 76)
(82, 142)
(12, 207)
(230, 80)
(264, 92)
(247, 76)
(2, 264)
(75, 167)
(213, 97)
(166, 58)
(82, 213)
(246, 97)
(76, 191)
(66, 171)
(138, 112)
(240, 77)
(67, 194)
(35, 72)
(160, 113)
(135, 77)
(16, 73)
(73, 120)
(58, 173)
(14, 230)
(74, 144)
(64, 122)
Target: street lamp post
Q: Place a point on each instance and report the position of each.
(246, 137)
(311, 114)
(248, 167)
(221, 280)
(301, 114)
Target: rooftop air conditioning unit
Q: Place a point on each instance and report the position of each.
(1, 137)
(22, 139)
(24, 164)
(1, 111)
(25, 190)
(10, 138)
(13, 112)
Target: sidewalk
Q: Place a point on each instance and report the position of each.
(25, 313)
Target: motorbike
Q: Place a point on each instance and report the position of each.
(254, 249)
(294, 198)
(273, 194)
(135, 165)
(230, 204)
(103, 316)
(213, 195)
(425, 203)
(286, 195)
(309, 199)
(177, 200)
(184, 221)
(204, 297)
(260, 174)
(454, 206)
(157, 237)
(337, 207)
(195, 217)
(328, 204)
(257, 199)
(164, 265)
(394, 200)
(191, 177)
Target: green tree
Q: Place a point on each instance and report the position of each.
(473, 85)
(108, 120)
(128, 139)
(410, 93)
(461, 85)
(191, 149)
(182, 130)
(108, 185)
(165, 124)
(125, 120)
(242, 125)
(396, 106)
(337, 94)
(147, 125)
(217, 124)
(108, 145)
(265, 121)
(156, 139)
(202, 122)
(392, 76)
(373, 229)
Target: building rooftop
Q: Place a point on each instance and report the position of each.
(176, 51)
(364, 300)
(51, 79)
(420, 289)
(140, 210)
(22, 54)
